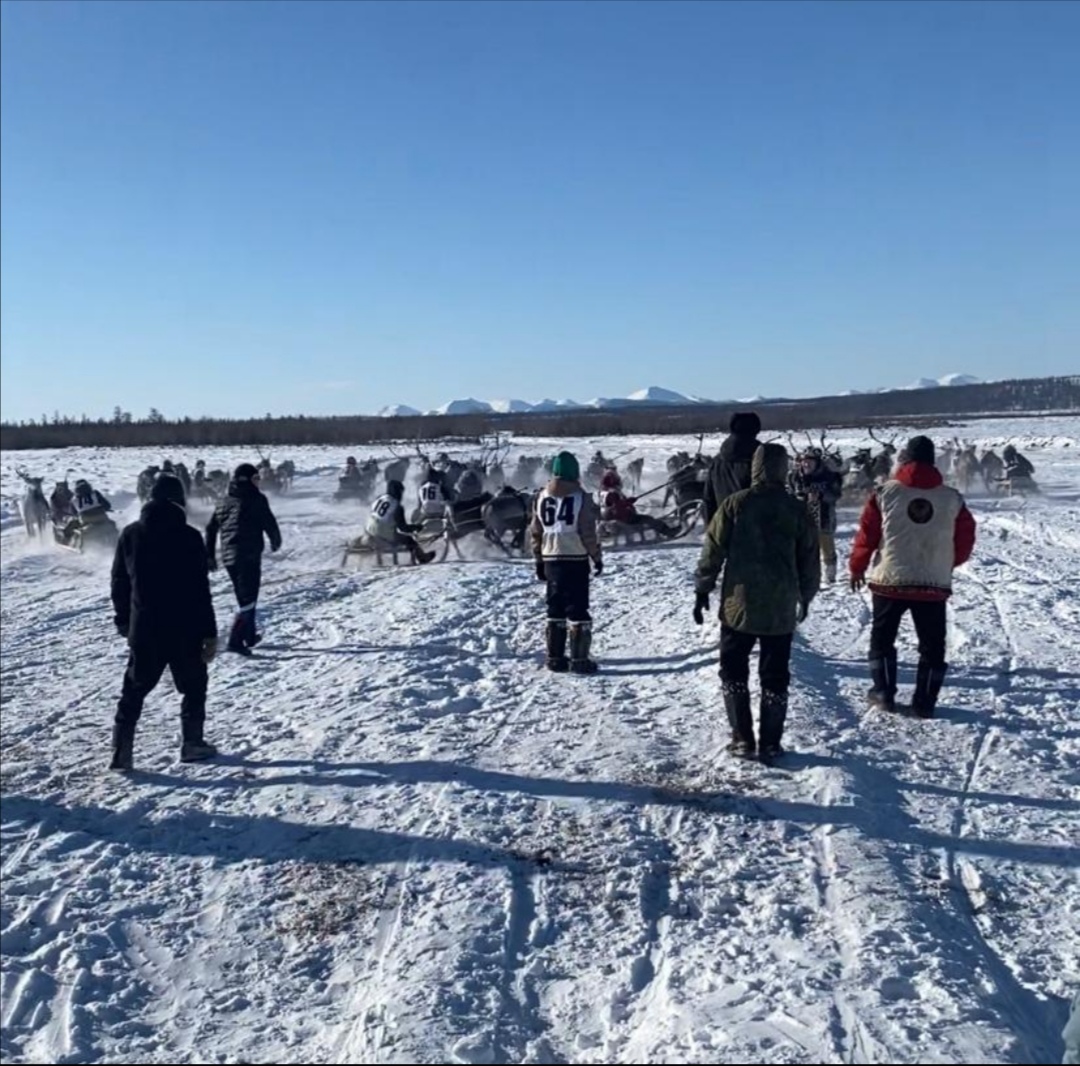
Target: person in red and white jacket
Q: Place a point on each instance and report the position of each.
(914, 531)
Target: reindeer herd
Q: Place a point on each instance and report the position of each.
(958, 462)
(484, 494)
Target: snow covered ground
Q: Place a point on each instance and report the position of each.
(421, 847)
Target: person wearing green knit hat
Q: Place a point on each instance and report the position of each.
(565, 466)
(564, 540)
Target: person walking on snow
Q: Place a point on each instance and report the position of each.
(241, 520)
(766, 543)
(820, 488)
(730, 471)
(161, 599)
(913, 532)
(564, 540)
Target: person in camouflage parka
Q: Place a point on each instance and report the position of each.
(766, 543)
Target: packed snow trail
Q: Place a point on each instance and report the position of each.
(421, 847)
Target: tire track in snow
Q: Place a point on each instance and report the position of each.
(961, 946)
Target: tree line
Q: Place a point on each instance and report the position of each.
(1048, 395)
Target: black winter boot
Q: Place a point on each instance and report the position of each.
(195, 747)
(883, 673)
(556, 647)
(740, 718)
(580, 642)
(123, 748)
(420, 556)
(928, 682)
(773, 716)
(236, 636)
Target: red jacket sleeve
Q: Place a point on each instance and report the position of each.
(867, 539)
(963, 537)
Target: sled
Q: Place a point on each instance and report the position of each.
(79, 538)
(386, 552)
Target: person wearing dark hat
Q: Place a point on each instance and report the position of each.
(765, 542)
(162, 604)
(242, 519)
(913, 532)
(564, 539)
(729, 472)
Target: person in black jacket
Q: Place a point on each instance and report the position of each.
(241, 519)
(729, 472)
(161, 596)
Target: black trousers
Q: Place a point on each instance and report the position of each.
(774, 667)
(567, 589)
(930, 626)
(246, 577)
(145, 666)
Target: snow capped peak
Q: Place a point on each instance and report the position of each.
(397, 410)
(468, 406)
(511, 406)
(947, 380)
(656, 394)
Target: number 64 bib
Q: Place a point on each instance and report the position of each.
(558, 516)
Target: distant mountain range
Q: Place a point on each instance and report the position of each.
(652, 396)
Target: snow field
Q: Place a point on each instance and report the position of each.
(421, 847)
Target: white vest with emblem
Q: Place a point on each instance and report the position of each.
(917, 536)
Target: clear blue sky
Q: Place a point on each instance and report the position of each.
(233, 208)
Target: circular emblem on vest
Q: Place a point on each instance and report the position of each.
(920, 511)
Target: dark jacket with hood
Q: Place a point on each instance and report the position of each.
(160, 585)
(766, 543)
(240, 520)
(729, 472)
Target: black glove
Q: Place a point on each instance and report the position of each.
(598, 567)
(122, 627)
(414, 527)
(701, 605)
(802, 611)
(857, 582)
(540, 574)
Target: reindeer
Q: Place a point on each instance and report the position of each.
(267, 474)
(992, 468)
(146, 482)
(858, 477)
(946, 457)
(687, 482)
(524, 474)
(492, 459)
(61, 501)
(34, 506)
(398, 469)
(966, 468)
(509, 511)
(284, 475)
(201, 484)
(184, 475)
(634, 471)
(882, 463)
